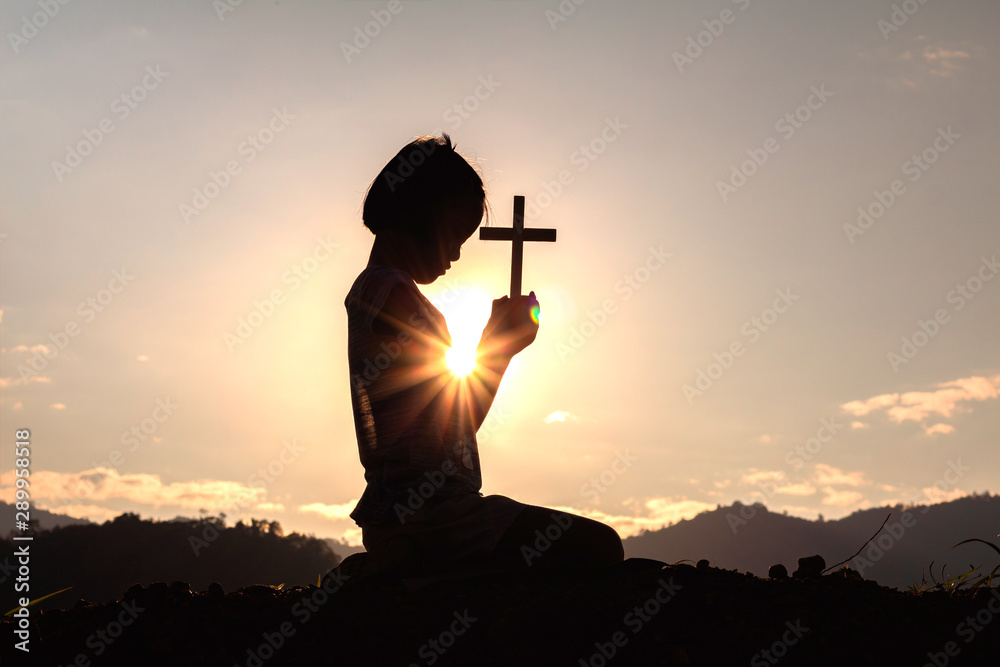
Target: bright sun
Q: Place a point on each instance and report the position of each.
(466, 312)
(461, 360)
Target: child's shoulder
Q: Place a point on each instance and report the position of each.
(378, 286)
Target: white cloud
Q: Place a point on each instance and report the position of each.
(935, 494)
(803, 489)
(331, 512)
(844, 499)
(757, 476)
(658, 513)
(944, 401)
(561, 416)
(827, 475)
(106, 484)
(94, 513)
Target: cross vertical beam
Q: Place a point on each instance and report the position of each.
(517, 247)
(517, 235)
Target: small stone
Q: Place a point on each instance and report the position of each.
(810, 567)
(157, 591)
(134, 591)
(703, 564)
(215, 590)
(777, 571)
(180, 587)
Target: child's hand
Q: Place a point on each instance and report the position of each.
(512, 326)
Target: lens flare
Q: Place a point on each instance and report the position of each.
(461, 360)
(536, 313)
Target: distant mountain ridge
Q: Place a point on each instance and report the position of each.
(751, 538)
(46, 520)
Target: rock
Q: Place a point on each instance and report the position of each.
(777, 571)
(215, 590)
(810, 567)
(703, 564)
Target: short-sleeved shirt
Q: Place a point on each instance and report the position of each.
(415, 436)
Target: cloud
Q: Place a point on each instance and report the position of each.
(331, 512)
(856, 425)
(12, 381)
(94, 513)
(102, 483)
(943, 62)
(803, 489)
(58, 406)
(757, 476)
(561, 416)
(765, 438)
(836, 498)
(723, 484)
(918, 65)
(828, 475)
(946, 400)
(935, 494)
(862, 408)
(659, 512)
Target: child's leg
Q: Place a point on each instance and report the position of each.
(570, 540)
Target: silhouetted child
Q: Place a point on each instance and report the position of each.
(416, 421)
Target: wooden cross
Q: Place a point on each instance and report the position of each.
(518, 234)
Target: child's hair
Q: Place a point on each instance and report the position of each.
(412, 187)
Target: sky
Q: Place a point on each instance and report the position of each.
(775, 278)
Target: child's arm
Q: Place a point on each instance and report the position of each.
(511, 328)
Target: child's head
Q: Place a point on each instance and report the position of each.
(427, 196)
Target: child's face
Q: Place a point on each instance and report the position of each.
(457, 222)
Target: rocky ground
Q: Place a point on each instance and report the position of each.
(638, 613)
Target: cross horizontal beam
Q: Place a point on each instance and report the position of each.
(507, 234)
(517, 235)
